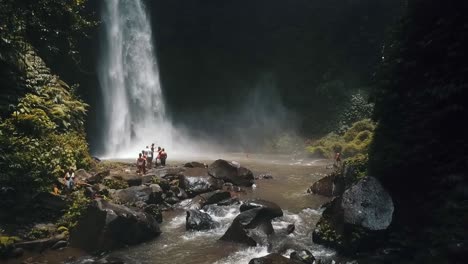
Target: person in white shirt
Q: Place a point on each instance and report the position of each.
(70, 179)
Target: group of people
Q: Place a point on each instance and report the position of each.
(146, 157)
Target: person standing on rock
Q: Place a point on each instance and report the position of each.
(163, 157)
(337, 159)
(151, 156)
(141, 164)
(158, 157)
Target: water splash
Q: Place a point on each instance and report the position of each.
(128, 74)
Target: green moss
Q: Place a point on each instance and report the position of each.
(74, 212)
(38, 233)
(363, 125)
(326, 147)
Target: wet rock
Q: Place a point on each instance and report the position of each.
(197, 220)
(195, 164)
(179, 193)
(230, 172)
(107, 226)
(131, 195)
(273, 258)
(165, 185)
(196, 181)
(368, 204)
(265, 176)
(155, 211)
(290, 228)
(270, 209)
(330, 185)
(98, 177)
(357, 220)
(302, 256)
(251, 227)
(205, 199)
(172, 200)
(60, 244)
(227, 202)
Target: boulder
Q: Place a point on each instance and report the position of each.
(250, 227)
(155, 211)
(60, 244)
(229, 172)
(368, 204)
(82, 175)
(357, 220)
(270, 209)
(273, 258)
(132, 179)
(179, 192)
(196, 181)
(202, 200)
(302, 256)
(195, 164)
(197, 220)
(330, 185)
(98, 177)
(265, 176)
(106, 226)
(131, 195)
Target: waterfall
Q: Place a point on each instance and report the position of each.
(134, 109)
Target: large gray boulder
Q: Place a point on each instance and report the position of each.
(106, 226)
(231, 172)
(148, 194)
(368, 204)
(330, 185)
(252, 226)
(196, 181)
(357, 220)
(270, 209)
(197, 220)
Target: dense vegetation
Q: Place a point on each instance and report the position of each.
(42, 120)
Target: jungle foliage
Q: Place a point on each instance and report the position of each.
(355, 141)
(53, 26)
(42, 138)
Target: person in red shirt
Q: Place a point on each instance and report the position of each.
(163, 157)
(141, 164)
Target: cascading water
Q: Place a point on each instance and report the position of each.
(134, 110)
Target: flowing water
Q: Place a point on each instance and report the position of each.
(287, 188)
(129, 79)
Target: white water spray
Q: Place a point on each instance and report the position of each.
(135, 114)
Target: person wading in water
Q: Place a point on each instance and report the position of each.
(141, 164)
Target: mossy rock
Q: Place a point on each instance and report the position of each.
(363, 125)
